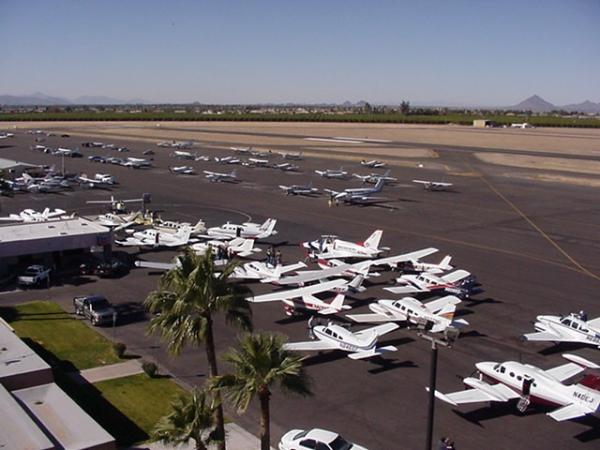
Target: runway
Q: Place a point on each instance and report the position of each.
(533, 246)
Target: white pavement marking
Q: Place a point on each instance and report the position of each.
(339, 141)
(383, 141)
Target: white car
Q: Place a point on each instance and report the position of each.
(315, 439)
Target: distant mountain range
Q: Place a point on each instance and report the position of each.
(535, 103)
(44, 100)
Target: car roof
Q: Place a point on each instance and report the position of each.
(321, 435)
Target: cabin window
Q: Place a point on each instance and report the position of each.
(567, 322)
(328, 331)
(502, 369)
(512, 374)
(519, 377)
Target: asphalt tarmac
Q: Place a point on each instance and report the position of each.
(532, 245)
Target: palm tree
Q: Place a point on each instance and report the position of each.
(191, 417)
(186, 300)
(259, 363)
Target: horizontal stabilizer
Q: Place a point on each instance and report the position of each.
(154, 265)
(369, 318)
(370, 353)
(568, 412)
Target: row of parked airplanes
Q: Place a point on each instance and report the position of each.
(496, 381)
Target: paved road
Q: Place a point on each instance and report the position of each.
(382, 404)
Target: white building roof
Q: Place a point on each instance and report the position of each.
(18, 430)
(16, 358)
(63, 418)
(6, 164)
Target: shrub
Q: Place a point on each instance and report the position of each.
(119, 349)
(150, 368)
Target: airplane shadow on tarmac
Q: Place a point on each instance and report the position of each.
(563, 347)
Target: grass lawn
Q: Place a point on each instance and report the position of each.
(142, 399)
(59, 337)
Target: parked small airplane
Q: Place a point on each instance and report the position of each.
(117, 221)
(30, 215)
(456, 283)
(515, 380)
(438, 313)
(373, 178)
(236, 247)
(136, 163)
(434, 185)
(154, 238)
(100, 180)
(182, 170)
(292, 155)
(257, 270)
(241, 150)
(245, 230)
(570, 328)
(218, 176)
(227, 160)
(4, 135)
(183, 155)
(256, 162)
(327, 247)
(118, 206)
(418, 266)
(302, 300)
(357, 195)
(360, 345)
(297, 189)
(332, 173)
(286, 167)
(172, 226)
(67, 152)
(374, 163)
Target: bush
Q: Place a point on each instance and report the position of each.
(150, 368)
(119, 349)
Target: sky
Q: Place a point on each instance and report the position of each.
(441, 52)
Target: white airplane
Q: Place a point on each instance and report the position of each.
(302, 300)
(259, 154)
(521, 125)
(30, 215)
(373, 164)
(514, 380)
(438, 313)
(117, 221)
(571, 328)
(136, 163)
(239, 247)
(182, 170)
(328, 247)
(183, 155)
(67, 152)
(358, 195)
(373, 178)
(227, 160)
(255, 162)
(360, 345)
(173, 144)
(453, 283)
(245, 230)
(297, 189)
(241, 150)
(172, 226)
(4, 135)
(292, 155)
(332, 173)
(418, 266)
(154, 238)
(257, 270)
(100, 180)
(115, 205)
(202, 158)
(223, 177)
(286, 167)
(434, 185)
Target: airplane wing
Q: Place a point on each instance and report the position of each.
(296, 293)
(154, 265)
(131, 242)
(481, 392)
(408, 289)
(371, 318)
(436, 305)
(547, 336)
(568, 412)
(412, 256)
(379, 330)
(309, 345)
(565, 371)
(311, 275)
(455, 276)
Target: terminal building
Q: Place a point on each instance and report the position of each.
(36, 413)
(50, 243)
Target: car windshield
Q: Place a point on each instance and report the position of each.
(339, 443)
(99, 303)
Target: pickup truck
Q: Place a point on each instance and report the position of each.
(96, 308)
(35, 276)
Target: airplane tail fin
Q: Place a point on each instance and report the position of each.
(379, 186)
(270, 228)
(356, 284)
(184, 234)
(233, 174)
(386, 173)
(445, 263)
(373, 240)
(336, 305)
(246, 248)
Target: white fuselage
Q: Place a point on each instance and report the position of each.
(569, 326)
(344, 339)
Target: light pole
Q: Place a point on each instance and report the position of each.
(446, 340)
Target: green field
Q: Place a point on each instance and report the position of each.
(454, 118)
(59, 337)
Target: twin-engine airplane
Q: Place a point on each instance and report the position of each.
(438, 313)
(239, 247)
(373, 178)
(154, 238)
(358, 195)
(571, 328)
(502, 382)
(360, 345)
(245, 230)
(452, 283)
(434, 185)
